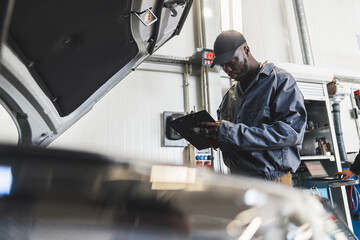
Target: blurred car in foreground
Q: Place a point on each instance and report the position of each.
(54, 194)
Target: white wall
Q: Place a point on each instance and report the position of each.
(127, 122)
(333, 26)
(348, 122)
(184, 44)
(270, 29)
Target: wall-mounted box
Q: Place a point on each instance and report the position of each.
(170, 136)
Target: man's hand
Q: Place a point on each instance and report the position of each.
(212, 127)
(210, 131)
(346, 174)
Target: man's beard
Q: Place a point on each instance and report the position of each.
(243, 71)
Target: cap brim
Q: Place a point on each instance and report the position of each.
(223, 58)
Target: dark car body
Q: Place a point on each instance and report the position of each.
(56, 194)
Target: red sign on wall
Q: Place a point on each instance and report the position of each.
(207, 57)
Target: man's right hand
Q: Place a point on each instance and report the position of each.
(210, 131)
(213, 127)
(346, 174)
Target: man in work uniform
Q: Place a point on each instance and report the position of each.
(354, 169)
(262, 117)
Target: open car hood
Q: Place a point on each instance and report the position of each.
(58, 58)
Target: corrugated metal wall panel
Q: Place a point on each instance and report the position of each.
(127, 122)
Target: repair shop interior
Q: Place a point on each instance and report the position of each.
(179, 119)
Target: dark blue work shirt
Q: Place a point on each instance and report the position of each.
(263, 128)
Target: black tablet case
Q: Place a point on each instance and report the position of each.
(184, 126)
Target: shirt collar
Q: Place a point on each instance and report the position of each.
(266, 68)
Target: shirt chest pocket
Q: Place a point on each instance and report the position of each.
(255, 117)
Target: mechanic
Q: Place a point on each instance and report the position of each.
(354, 169)
(262, 117)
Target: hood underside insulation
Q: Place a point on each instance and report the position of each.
(72, 48)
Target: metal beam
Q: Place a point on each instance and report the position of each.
(168, 59)
(303, 32)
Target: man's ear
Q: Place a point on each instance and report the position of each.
(247, 50)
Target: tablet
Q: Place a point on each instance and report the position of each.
(185, 127)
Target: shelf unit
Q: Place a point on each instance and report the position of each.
(319, 112)
(312, 82)
(317, 130)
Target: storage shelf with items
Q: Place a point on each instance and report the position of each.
(320, 144)
(318, 138)
(318, 130)
(312, 82)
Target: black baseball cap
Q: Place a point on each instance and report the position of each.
(225, 45)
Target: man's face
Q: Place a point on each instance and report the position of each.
(238, 66)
